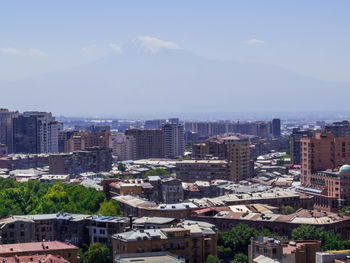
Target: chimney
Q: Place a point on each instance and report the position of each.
(130, 222)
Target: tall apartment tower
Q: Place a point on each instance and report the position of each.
(6, 135)
(294, 143)
(35, 132)
(174, 136)
(322, 152)
(148, 143)
(238, 156)
(276, 127)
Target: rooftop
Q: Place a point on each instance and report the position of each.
(34, 247)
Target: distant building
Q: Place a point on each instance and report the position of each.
(93, 159)
(35, 132)
(338, 129)
(24, 161)
(154, 124)
(276, 127)
(3, 150)
(6, 133)
(238, 157)
(295, 147)
(148, 143)
(207, 170)
(174, 140)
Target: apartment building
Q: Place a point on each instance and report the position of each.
(238, 157)
(35, 132)
(191, 240)
(294, 142)
(199, 170)
(92, 159)
(322, 152)
(148, 143)
(6, 133)
(174, 136)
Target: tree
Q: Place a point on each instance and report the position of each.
(286, 210)
(121, 167)
(329, 240)
(212, 259)
(156, 172)
(240, 258)
(224, 252)
(97, 253)
(110, 208)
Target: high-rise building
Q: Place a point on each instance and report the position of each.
(35, 132)
(276, 127)
(174, 136)
(25, 135)
(148, 143)
(6, 135)
(339, 129)
(234, 149)
(322, 152)
(238, 157)
(154, 124)
(294, 144)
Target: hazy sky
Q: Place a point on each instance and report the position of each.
(307, 37)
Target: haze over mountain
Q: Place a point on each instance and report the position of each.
(138, 79)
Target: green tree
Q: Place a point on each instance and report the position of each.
(110, 208)
(286, 210)
(240, 258)
(97, 253)
(343, 211)
(156, 172)
(280, 162)
(121, 167)
(212, 259)
(224, 252)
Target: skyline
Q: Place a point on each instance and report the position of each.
(304, 42)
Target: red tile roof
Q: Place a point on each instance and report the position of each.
(34, 247)
(35, 258)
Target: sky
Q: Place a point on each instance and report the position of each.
(310, 38)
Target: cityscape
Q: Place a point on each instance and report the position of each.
(178, 132)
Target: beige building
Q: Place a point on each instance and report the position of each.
(191, 240)
(238, 157)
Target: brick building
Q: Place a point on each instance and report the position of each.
(322, 152)
(194, 170)
(292, 252)
(148, 143)
(227, 217)
(93, 159)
